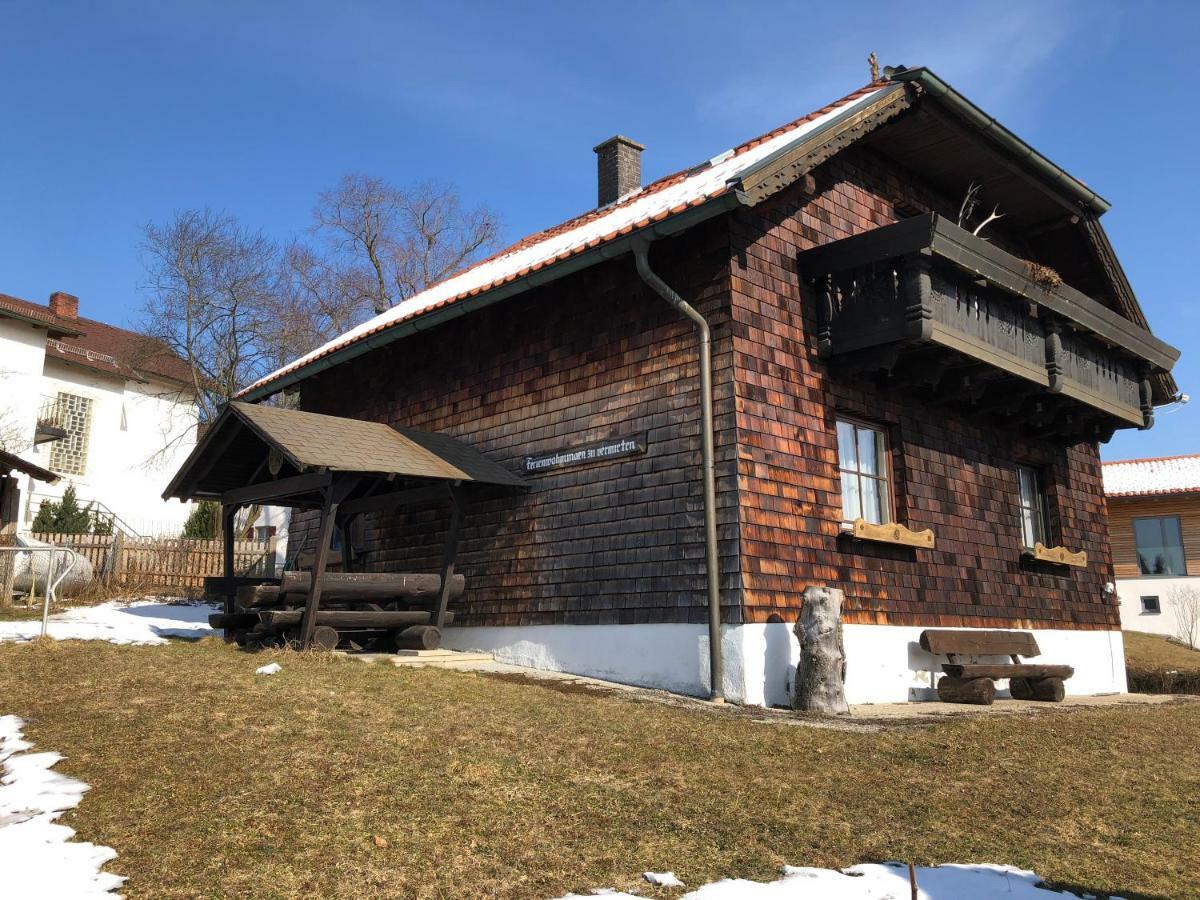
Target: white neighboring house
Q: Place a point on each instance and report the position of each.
(109, 410)
(1154, 526)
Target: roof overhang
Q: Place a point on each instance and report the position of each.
(550, 273)
(253, 453)
(10, 462)
(53, 326)
(1030, 159)
(922, 109)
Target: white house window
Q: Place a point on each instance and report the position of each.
(863, 466)
(68, 456)
(1034, 528)
(1151, 605)
(1159, 541)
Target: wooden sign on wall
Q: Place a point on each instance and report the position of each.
(600, 451)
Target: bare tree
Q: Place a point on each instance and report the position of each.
(14, 434)
(1185, 604)
(387, 244)
(210, 283)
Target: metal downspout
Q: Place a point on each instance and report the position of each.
(641, 246)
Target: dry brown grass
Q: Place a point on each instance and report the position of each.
(1159, 665)
(210, 781)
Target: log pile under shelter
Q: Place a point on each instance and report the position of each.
(373, 611)
(345, 468)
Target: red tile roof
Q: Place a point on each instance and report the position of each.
(680, 191)
(23, 309)
(99, 346)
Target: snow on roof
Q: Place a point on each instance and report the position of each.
(1162, 475)
(666, 197)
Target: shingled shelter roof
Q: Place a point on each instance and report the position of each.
(236, 448)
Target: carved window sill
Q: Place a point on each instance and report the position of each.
(890, 533)
(1058, 555)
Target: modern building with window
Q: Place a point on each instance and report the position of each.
(1154, 526)
(109, 410)
(892, 333)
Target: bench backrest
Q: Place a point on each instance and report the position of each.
(981, 643)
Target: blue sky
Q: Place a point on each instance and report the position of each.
(118, 114)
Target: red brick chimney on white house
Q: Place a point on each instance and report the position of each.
(64, 305)
(619, 168)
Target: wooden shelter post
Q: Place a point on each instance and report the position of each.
(453, 535)
(228, 515)
(329, 512)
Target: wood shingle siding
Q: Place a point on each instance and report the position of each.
(597, 356)
(591, 357)
(954, 477)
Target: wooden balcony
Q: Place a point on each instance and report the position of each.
(927, 303)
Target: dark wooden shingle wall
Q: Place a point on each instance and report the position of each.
(593, 356)
(951, 476)
(596, 355)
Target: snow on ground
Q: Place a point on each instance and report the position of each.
(871, 881)
(37, 856)
(119, 621)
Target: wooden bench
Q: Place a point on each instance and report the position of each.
(975, 682)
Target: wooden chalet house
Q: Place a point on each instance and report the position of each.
(907, 395)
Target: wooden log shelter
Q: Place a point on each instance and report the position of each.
(345, 468)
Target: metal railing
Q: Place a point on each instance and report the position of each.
(51, 420)
(100, 515)
(52, 582)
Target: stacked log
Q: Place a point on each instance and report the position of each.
(357, 608)
(1047, 690)
(981, 691)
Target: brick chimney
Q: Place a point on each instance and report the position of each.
(618, 167)
(64, 305)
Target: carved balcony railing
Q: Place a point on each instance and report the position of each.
(931, 303)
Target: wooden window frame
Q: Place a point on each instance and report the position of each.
(885, 465)
(1137, 552)
(1040, 509)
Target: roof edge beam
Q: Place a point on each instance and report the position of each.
(278, 490)
(552, 272)
(992, 129)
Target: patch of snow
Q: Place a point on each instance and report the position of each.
(119, 622)
(37, 856)
(663, 879)
(269, 669)
(873, 881)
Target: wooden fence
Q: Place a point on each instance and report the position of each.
(176, 564)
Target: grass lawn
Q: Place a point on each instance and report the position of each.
(1158, 665)
(210, 781)
(26, 613)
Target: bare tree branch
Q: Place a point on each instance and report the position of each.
(210, 283)
(387, 244)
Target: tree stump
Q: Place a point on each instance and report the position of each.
(980, 691)
(821, 673)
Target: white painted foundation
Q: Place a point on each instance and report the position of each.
(885, 664)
